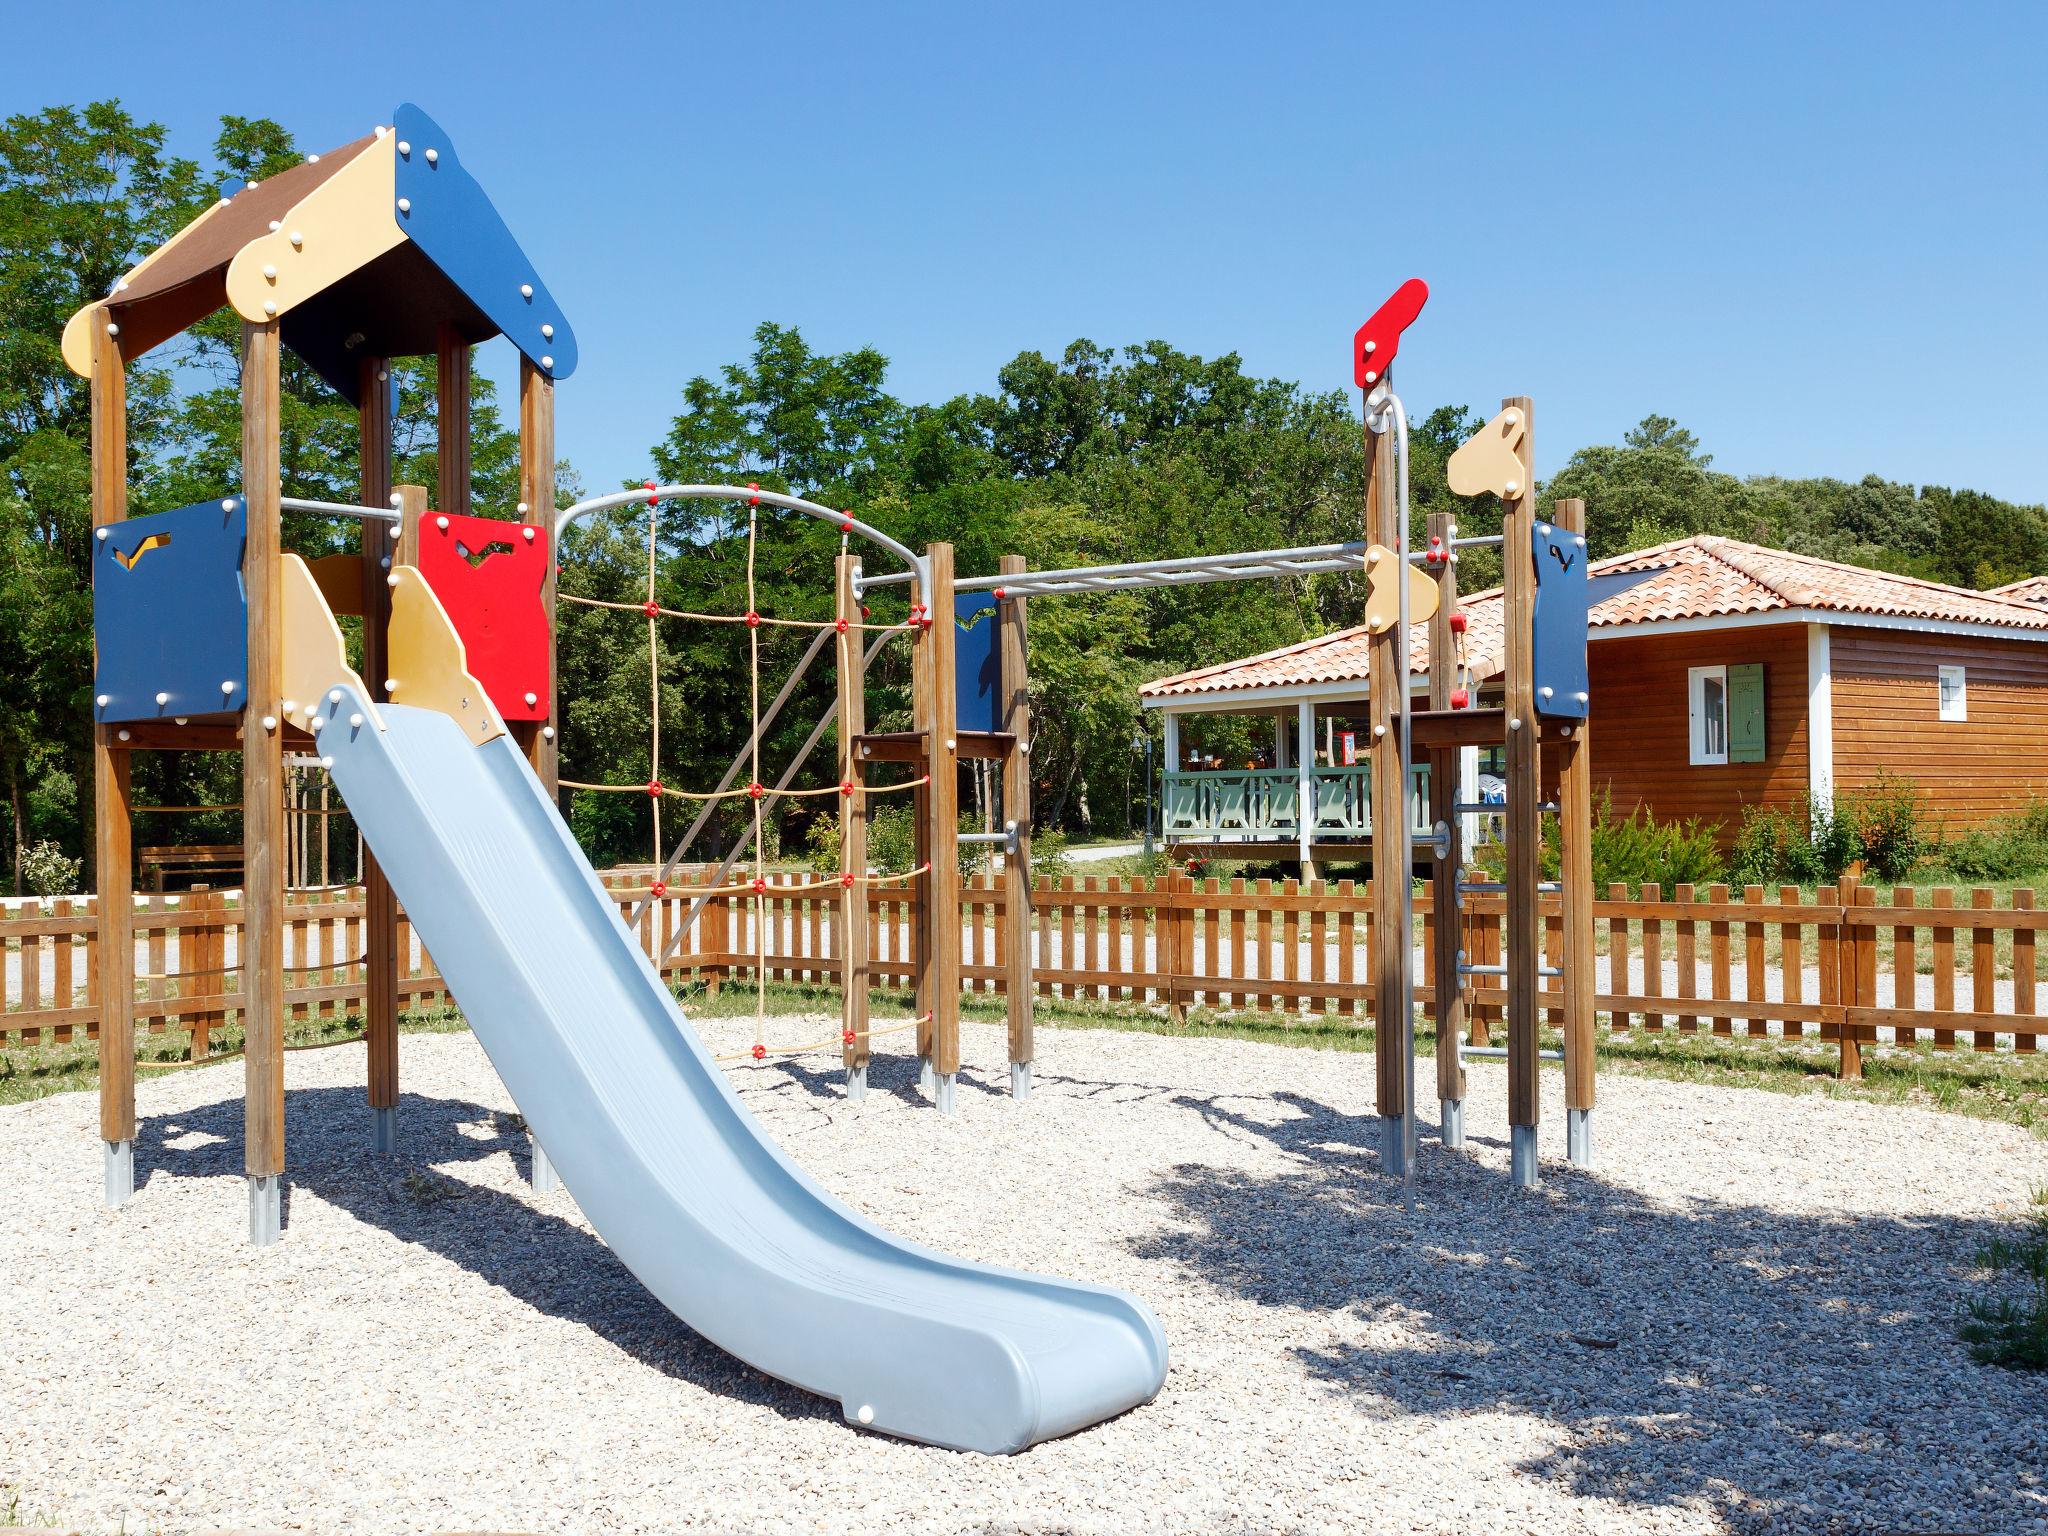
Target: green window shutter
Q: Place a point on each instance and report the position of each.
(1746, 713)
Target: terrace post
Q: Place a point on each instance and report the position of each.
(1305, 784)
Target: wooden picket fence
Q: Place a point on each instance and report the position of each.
(1958, 969)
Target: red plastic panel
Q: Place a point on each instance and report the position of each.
(489, 574)
(1383, 332)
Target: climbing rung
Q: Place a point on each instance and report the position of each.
(1500, 970)
(1484, 887)
(1501, 1050)
(1478, 541)
(1496, 808)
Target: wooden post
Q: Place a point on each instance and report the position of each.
(1448, 984)
(262, 953)
(1013, 668)
(919, 906)
(537, 506)
(451, 419)
(113, 822)
(853, 834)
(381, 551)
(1387, 679)
(942, 884)
(1521, 924)
(1575, 880)
(1857, 973)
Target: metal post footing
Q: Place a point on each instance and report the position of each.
(1525, 1156)
(1394, 1146)
(544, 1178)
(856, 1084)
(1020, 1079)
(927, 1080)
(1578, 1137)
(266, 1208)
(1452, 1113)
(942, 1094)
(118, 1164)
(384, 1130)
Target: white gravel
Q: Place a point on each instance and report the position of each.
(1744, 1321)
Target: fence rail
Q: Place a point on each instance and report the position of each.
(1958, 970)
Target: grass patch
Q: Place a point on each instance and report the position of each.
(2002, 1087)
(2012, 1331)
(37, 1071)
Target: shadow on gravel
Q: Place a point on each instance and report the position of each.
(551, 1264)
(1786, 1372)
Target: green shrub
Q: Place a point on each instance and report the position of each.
(1630, 850)
(1805, 843)
(49, 871)
(2008, 849)
(1049, 854)
(1894, 827)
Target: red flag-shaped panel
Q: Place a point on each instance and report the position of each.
(489, 574)
(1373, 348)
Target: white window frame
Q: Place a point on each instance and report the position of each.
(1956, 707)
(1700, 747)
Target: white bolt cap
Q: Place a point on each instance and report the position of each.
(405, 148)
(312, 159)
(391, 580)
(1371, 347)
(163, 698)
(276, 225)
(314, 722)
(183, 720)
(100, 533)
(252, 186)
(228, 686)
(269, 307)
(269, 273)
(394, 499)
(547, 733)
(355, 722)
(270, 722)
(405, 205)
(1546, 692)
(522, 508)
(547, 362)
(529, 535)
(1514, 725)
(385, 563)
(123, 734)
(103, 701)
(433, 155)
(866, 1414)
(334, 696)
(1513, 486)
(326, 762)
(441, 523)
(297, 239)
(291, 706)
(113, 329)
(1370, 376)
(526, 290)
(548, 331)
(391, 685)
(532, 699)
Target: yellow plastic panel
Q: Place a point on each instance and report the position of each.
(315, 658)
(1489, 459)
(429, 667)
(339, 227)
(1383, 594)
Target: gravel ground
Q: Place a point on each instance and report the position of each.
(1743, 1321)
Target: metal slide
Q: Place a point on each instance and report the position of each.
(660, 1155)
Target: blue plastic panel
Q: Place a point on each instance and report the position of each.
(975, 669)
(1560, 623)
(169, 614)
(446, 214)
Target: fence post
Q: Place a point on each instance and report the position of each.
(1849, 979)
(1168, 931)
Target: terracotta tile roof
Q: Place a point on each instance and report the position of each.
(2033, 590)
(1702, 577)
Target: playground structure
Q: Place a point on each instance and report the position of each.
(210, 636)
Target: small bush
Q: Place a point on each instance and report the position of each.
(1049, 854)
(892, 843)
(1630, 850)
(1994, 853)
(1805, 843)
(49, 871)
(1894, 827)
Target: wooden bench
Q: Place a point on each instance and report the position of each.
(191, 859)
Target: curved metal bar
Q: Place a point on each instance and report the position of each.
(338, 508)
(842, 520)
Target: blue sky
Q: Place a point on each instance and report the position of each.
(1816, 235)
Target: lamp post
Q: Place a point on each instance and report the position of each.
(1142, 740)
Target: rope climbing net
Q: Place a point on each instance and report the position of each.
(846, 628)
